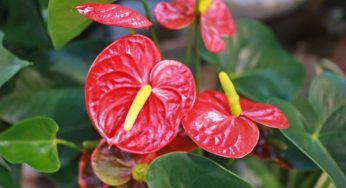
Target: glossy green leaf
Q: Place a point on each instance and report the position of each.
(32, 141)
(258, 64)
(64, 23)
(23, 25)
(189, 171)
(327, 94)
(38, 96)
(324, 141)
(9, 63)
(311, 146)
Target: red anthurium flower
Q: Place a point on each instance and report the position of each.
(114, 15)
(136, 100)
(226, 125)
(216, 19)
(182, 142)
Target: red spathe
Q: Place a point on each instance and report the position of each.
(212, 126)
(113, 81)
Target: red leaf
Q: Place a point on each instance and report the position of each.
(86, 175)
(213, 128)
(113, 81)
(216, 23)
(264, 114)
(114, 15)
(176, 15)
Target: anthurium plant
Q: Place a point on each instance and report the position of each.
(94, 113)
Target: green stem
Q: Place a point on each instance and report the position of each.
(197, 64)
(292, 178)
(310, 180)
(189, 45)
(69, 144)
(152, 30)
(90, 144)
(131, 31)
(322, 180)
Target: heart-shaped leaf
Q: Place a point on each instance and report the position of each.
(35, 95)
(65, 23)
(324, 140)
(188, 170)
(258, 64)
(9, 63)
(32, 141)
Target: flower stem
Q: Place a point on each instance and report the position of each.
(132, 31)
(152, 30)
(69, 144)
(189, 45)
(90, 144)
(197, 64)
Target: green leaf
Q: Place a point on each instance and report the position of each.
(10, 178)
(64, 23)
(38, 96)
(327, 94)
(258, 65)
(324, 141)
(264, 172)
(308, 144)
(32, 141)
(4, 164)
(189, 170)
(9, 64)
(23, 25)
(73, 60)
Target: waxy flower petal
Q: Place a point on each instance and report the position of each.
(264, 114)
(216, 22)
(182, 142)
(176, 15)
(212, 126)
(113, 15)
(115, 78)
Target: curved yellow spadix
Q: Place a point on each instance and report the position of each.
(136, 106)
(204, 5)
(231, 93)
